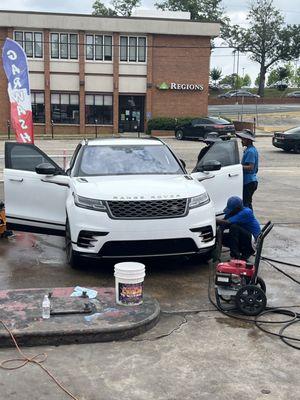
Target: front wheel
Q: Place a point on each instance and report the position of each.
(179, 135)
(250, 300)
(297, 148)
(73, 258)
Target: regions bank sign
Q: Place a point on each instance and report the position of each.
(192, 87)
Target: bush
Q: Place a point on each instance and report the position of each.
(166, 123)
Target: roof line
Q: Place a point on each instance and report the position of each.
(106, 17)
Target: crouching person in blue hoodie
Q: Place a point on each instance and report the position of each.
(240, 229)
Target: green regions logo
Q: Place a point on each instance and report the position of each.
(163, 86)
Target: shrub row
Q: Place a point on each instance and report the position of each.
(167, 123)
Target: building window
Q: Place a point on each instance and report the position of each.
(38, 107)
(65, 108)
(98, 47)
(64, 46)
(98, 109)
(132, 49)
(32, 43)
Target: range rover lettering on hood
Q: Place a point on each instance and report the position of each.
(158, 197)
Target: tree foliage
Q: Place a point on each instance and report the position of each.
(215, 74)
(246, 80)
(119, 7)
(267, 40)
(101, 10)
(201, 10)
(283, 73)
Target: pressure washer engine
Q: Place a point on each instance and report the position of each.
(238, 281)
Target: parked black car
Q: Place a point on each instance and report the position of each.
(200, 127)
(237, 93)
(288, 140)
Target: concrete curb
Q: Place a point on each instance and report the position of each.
(106, 322)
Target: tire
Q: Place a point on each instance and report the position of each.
(250, 300)
(179, 135)
(261, 283)
(73, 258)
(297, 148)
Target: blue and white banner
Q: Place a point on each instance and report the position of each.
(16, 69)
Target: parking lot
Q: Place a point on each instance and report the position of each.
(194, 352)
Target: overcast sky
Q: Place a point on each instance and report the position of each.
(236, 9)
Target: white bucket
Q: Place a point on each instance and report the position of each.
(129, 279)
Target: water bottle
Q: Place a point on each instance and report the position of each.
(46, 307)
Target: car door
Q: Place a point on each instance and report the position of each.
(196, 128)
(226, 182)
(33, 202)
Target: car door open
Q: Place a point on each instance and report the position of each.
(35, 190)
(224, 182)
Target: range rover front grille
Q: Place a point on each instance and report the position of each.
(148, 209)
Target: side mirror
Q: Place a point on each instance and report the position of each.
(46, 169)
(183, 163)
(211, 165)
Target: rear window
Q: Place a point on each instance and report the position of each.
(214, 120)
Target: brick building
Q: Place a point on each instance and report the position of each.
(111, 72)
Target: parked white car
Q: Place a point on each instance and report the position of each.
(121, 198)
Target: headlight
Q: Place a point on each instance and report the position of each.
(200, 200)
(91, 204)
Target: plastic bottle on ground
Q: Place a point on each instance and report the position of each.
(46, 307)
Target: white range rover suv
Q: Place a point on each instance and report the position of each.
(121, 197)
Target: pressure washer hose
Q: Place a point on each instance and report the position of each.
(258, 321)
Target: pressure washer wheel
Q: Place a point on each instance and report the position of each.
(250, 300)
(261, 283)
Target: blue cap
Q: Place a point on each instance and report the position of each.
(233, 203)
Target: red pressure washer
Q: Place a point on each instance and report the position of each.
(238, 280)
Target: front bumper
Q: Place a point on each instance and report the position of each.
(284, 143)
(141, 238)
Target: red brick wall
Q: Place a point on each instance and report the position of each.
(181, 65)
(116, 41)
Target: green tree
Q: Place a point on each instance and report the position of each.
(101, 9)
(125, 7)
(246, 80)
(283, 73)
(267, 40)
(119, 7)
(215, 74)
(257, 80)
(273, 77)
(296, 77)
(201, 10)
(228, 80)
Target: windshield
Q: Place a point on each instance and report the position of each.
(293, 130)
(127, 160)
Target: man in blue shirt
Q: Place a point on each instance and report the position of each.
(250, 166)
(243, 229)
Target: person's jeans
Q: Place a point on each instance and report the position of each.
(248, 191)
(239, 241)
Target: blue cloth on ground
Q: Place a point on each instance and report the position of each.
(92, 294)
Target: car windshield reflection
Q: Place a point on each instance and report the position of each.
(127, 160)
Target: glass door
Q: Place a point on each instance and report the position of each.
(131, 113)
